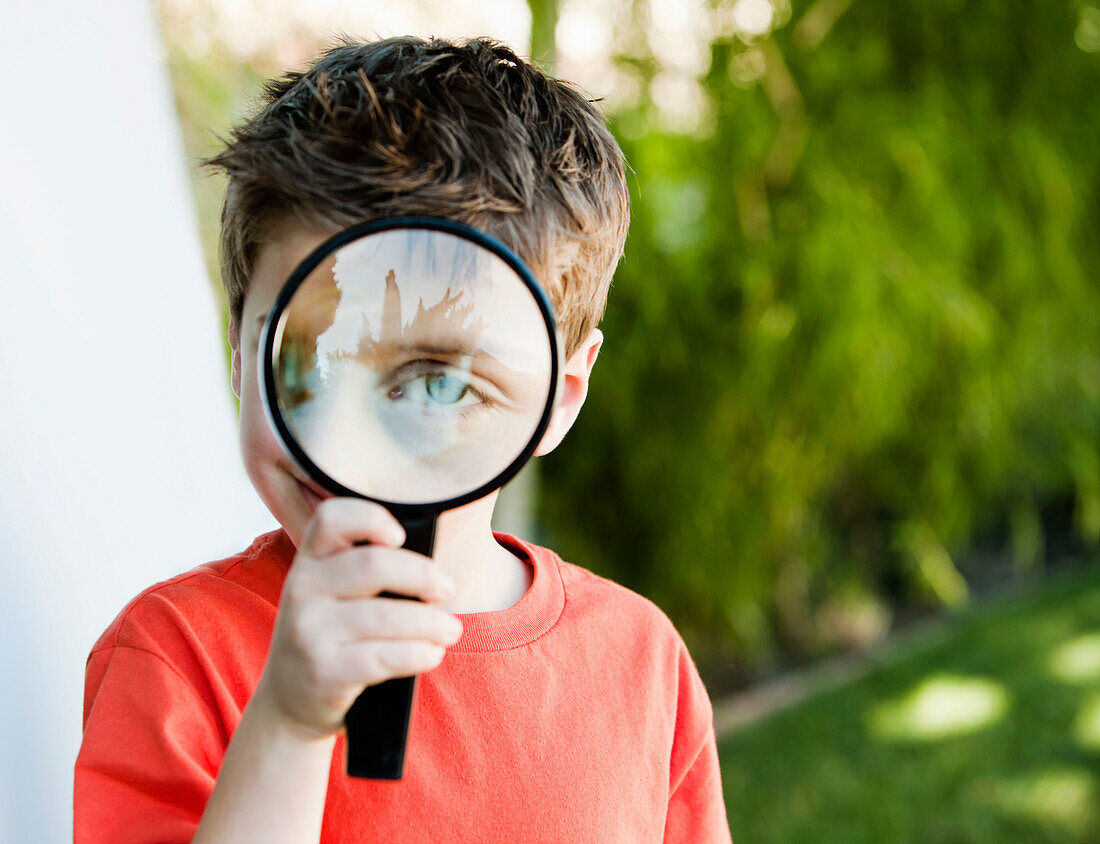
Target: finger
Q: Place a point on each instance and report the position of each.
(366, 572)
(341, 523)
(372, 662)
(383, 618)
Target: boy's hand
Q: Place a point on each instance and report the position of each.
(334, 635)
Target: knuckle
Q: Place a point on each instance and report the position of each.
(388, 616)
(359, 571)
(372, 510)
(326, 516)
(371, 665)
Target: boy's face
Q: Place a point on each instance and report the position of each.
(284, 488)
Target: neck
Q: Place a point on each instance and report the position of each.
(489, 578)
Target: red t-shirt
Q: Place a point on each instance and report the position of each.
(574, 715)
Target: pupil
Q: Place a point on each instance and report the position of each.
(443, 388)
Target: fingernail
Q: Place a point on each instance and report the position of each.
(454, 630)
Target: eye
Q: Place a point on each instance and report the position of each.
(437, 389)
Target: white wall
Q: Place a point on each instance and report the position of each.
(118, 461)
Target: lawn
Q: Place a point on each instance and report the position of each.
(987, 732)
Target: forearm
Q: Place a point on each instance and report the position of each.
(271, 785)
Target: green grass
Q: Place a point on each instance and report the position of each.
(989, 733)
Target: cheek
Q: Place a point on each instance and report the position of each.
(259, 446)
(258, 443)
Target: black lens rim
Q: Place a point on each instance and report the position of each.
(276, 321)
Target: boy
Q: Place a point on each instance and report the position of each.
(553, 705)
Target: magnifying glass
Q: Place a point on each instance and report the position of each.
(413, 362)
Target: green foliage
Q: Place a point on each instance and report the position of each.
(855, 334)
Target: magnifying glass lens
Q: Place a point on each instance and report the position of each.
(412, 366)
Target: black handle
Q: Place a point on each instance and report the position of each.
(378, 722)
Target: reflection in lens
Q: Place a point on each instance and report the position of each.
(413, 366)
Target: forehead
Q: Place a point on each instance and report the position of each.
(284, 248)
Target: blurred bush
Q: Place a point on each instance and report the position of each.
(855, 338)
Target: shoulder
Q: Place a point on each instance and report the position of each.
(630, 638)
(588, 592)
(603, 612)
(193, 645)
(206, 596)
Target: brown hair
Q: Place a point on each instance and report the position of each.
(467, 131)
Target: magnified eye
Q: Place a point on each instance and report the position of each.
(436, 389)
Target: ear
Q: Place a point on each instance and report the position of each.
(574, 390)
(235, 345)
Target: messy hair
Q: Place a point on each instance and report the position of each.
(468, 131)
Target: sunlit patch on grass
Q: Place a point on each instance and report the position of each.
(1061, 797)
(1078, 660)
(1086, 727)
(940, 706)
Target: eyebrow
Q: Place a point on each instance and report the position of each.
(440, 349)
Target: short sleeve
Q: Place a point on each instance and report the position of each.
(696, 807)
(150, 752)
